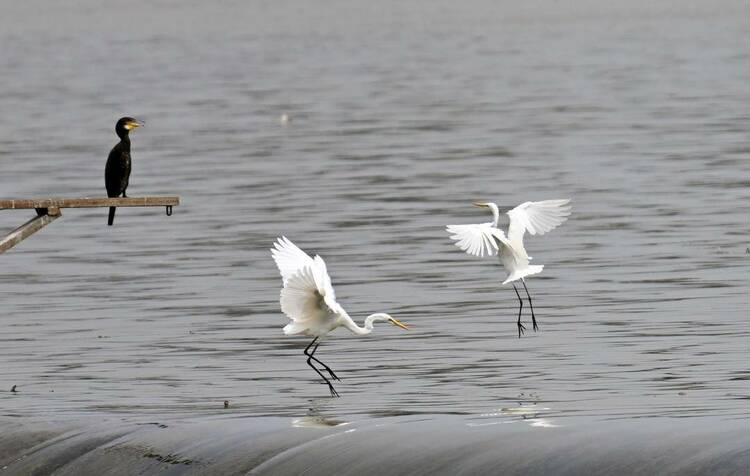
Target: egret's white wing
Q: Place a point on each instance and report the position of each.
(537, 217)
(324, 281)
(289, 258)
(308, 295)
(301, 300)
(477, 240)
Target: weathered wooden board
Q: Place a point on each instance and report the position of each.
(44, 218)
(14, 204)
(48, 210)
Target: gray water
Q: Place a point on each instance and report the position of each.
(401, 116)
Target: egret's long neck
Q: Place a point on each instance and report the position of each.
(495, 214)
(361, 331)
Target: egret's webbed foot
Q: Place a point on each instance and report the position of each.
(325, 380)
(334, 393)
(521, 329)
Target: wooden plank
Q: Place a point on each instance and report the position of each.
(44, 218)
(156, 201)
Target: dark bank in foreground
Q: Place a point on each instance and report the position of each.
(422, 444)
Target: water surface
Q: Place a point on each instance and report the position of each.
(401, 116)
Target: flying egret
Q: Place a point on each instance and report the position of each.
(486, 239)
(307, 298)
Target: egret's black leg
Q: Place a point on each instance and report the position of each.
(309, 362)
(533, 318)
(327, 368)
(309, 345)
(325, 380)
(521, 327)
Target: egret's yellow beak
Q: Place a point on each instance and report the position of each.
(480, 204)
(399, 324)
(133, 124)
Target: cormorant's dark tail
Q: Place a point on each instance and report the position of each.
(111, 215)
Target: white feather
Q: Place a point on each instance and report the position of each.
(301, 299)
(307, 297)
(478, 240)
(289, 259)
(485, 239)
(537, 217)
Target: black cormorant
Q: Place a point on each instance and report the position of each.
(117, 171)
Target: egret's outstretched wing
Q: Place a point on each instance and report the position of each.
(478, 240)
(307, 298)
(537, 217)
(324, 283)
(289, 258)
(302, 300)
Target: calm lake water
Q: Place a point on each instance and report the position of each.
(401, 116)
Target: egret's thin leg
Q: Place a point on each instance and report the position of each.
(327, 382)
(312, 356)
(309, 362)
(309, 345)
(533, 318)
(327, 368)
(521, 327)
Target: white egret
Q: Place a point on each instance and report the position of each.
(307, 298)
(486, 239)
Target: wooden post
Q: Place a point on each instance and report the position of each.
(48, 210)
(44, 217)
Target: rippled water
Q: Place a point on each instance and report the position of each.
(401, 116)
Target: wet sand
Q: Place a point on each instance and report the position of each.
(397, 445)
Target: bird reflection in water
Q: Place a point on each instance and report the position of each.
(529, 412)
(314, 419)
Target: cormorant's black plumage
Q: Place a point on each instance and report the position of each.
(117, 171)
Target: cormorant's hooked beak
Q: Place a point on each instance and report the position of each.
(399, 324)
(133, 124)
(480, 204)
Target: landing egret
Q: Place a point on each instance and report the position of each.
(486, 239)
(307, 298)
